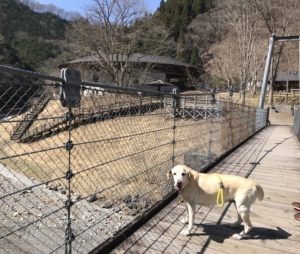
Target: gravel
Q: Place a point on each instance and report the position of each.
(34, 220)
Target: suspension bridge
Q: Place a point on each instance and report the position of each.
(87, 174)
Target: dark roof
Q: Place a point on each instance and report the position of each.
(287, 75)
(138, 58)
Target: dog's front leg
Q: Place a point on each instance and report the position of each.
(191, 208)
(186, 218)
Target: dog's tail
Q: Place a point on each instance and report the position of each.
(260, 192)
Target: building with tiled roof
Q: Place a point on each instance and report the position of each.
(163, 68)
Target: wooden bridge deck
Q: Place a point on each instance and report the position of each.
(272, 157)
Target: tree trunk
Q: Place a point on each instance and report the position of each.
(243, 93)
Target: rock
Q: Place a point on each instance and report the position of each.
(135, 198)
(49, 200)
(144, 203)
(15, 214)
(125, 211)
(138, 206)
(116, 209)
(63, 191)
(107, 205)
(78, 197)
(127, 199)
(93, 198)
(134, 212)
(86, 215)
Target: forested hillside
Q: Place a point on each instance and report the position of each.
(226, 39)
(27, 38)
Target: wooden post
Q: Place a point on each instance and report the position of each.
(286, 98)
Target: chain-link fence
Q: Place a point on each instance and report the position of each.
(296, 126)
(80, 161)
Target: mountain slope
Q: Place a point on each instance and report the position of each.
(26, 37)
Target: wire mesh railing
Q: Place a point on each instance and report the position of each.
(94, 158)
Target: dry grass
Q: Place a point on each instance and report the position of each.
(253, 100)
(135, 151)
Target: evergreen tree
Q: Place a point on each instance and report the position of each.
(194, 57)
(196, 8)
(186, 15)
(180, 52)
(203, 6)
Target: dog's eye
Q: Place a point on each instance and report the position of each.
(174, 174)
(183, 174)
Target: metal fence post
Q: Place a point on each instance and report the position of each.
(69, 236)
(266, 73)
(70, 97)
(209, 155)
(176, 98)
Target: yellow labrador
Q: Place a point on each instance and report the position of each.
(202, 189)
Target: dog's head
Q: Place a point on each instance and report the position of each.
(181, 175)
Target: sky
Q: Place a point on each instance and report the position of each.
(76, 5)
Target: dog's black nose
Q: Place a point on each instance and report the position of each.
(179, 183)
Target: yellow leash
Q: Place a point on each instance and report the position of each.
(220, 197)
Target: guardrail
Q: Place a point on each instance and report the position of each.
(91, 165)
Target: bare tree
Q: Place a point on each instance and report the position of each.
(205, 31)
(243, 16)
(74, 15)
(114, 31)
(277, 16)
(225, 59)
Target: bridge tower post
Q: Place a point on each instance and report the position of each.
(266, 73)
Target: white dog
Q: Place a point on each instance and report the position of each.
(202, 189)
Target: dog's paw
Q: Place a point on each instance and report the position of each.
(185, 232)
(237, 236)
(184, 221)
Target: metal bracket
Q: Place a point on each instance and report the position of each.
(69, 116)
(70, 90)
(69, 203)
(69, 175)
(69, 145)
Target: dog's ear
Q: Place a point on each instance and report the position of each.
(190, 174)
(169, 175)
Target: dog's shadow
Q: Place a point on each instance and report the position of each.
(220, 232)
